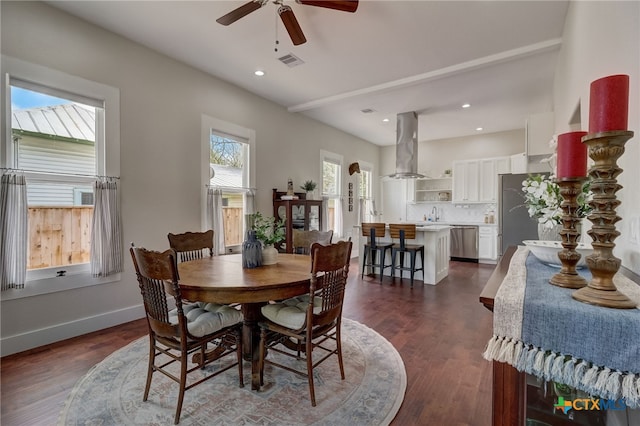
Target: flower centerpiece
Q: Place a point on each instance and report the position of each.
(542, 198)
(269, 232)
(309, 186)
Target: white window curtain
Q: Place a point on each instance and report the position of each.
(366, 211)
(106, 235)
(215, 219)
(338, 217)
(325, 214)
(362, 205)
(13, 231)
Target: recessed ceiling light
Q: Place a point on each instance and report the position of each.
(466, 105)
(259, 73)
(479, 129)
(386, 120)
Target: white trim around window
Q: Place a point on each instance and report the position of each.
(207, 125)
(109, 161)
(43, 76)
(331, 157)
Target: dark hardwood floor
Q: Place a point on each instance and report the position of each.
(440, 332)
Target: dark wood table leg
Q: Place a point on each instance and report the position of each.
(509, 395)
(251, 339)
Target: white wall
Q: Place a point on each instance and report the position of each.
(600, 39)
(162, 101)
(437, 155)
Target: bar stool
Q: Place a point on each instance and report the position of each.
(405, 231)
(372, 247)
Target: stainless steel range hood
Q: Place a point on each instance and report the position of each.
(407, 146)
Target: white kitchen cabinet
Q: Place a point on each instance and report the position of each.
(476, 181)
(487, 243)
(539, 131)
(490, 168)
(466, 181)
(431, 190)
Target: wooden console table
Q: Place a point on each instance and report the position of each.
(509, 385)
(509, 397)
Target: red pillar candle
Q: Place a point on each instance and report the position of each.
(609, 104)
(572, 155)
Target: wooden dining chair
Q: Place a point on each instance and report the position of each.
(373, 247)
(403, 232)
(191, 245)
(302, 240)
(187, 329)
(302, 324)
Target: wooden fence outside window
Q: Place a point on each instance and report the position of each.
(60, 236)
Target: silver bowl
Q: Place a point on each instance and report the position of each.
(547, 251)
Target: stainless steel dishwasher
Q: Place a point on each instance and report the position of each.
(464, 243)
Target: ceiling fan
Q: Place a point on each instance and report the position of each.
(286, 14)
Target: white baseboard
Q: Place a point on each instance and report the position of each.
(44, 336)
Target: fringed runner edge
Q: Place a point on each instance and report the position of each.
(577, 373)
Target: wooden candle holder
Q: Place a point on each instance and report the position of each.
(570, 189)
(604, 149)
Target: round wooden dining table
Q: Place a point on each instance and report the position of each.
(222, 279)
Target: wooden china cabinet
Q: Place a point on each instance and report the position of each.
(299, 214)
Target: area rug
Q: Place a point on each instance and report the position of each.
(111, 392)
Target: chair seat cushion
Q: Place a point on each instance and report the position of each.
(206, 318)
(291, 313)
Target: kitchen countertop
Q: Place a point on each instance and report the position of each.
(422, 223)
(432, 227)
(428, 226)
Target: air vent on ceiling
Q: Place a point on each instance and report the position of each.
(367, 111)
(291, 60)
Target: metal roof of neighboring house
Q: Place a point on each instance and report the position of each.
(69, 121)
(227, 176)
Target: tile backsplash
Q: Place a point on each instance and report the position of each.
(449, 213)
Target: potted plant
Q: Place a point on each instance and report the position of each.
(269, 232)
(309, 186)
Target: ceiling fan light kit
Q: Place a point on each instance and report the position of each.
(286, 14)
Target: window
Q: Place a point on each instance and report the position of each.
(365, 192)
(226, 165)
(58, 135)
(54, 142)
(331, 190)
(227, 157)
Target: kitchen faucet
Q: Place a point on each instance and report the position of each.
(434, 214)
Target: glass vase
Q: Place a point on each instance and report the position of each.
(553, 233)
(546, 233)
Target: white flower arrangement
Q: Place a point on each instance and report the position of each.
(542, 195)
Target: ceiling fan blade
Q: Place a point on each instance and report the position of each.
(291, 24)
(343, 5)
(240, 12)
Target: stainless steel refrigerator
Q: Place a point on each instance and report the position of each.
(514, 223)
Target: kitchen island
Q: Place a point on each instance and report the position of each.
(435, 239)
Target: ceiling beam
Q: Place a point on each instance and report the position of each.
(509, 55)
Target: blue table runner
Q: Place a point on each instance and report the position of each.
(540, 329)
